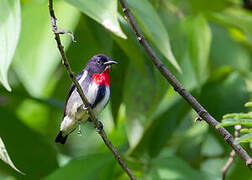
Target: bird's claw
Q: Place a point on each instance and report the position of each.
(100, 127)
(84, 108)
(79, 130)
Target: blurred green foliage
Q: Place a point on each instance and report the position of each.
(151, 125)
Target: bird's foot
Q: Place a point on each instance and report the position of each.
(100, 128)
(79, 129)
(82, 109)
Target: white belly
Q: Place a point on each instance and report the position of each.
(70, 121)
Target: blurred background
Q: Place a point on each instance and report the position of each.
(206, 44)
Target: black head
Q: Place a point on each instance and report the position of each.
(98, 63)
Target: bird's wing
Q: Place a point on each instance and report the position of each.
(100, 95)
(72, 88)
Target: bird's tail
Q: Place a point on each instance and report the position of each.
(60, 139)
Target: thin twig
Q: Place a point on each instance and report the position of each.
(70, 33)
(180, 89)
(232, 154)
(84, 99)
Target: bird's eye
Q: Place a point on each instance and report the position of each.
(98, 61)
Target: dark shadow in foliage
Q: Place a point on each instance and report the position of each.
(29, 152)
(118, 75)
(162, 127)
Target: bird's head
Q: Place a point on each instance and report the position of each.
(98, 69)
(99, 63)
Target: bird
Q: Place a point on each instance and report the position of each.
(95, 82)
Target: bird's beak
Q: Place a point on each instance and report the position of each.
(110, 63)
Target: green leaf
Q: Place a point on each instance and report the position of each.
(244, 139)
(235, 17)
(10, 26)
(213, 166)
(246, 130)
(248, 104)
(117, 76)
(153, 28)
(104, 12)
(226, 52)
(88, 167)
(199, 36)
(130, 46)
(173, 22)
(5, 156)
(172, 167)
(228, 94)
(161, 127)
(28, 109)
(189, 140)
(215, 5)
(232, 122)
(211, 147)
(37, 55)
(142, 95)
(238, 116)
(239, 171)
(87, 46)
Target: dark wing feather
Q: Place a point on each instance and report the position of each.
(72, 88)
(100, 94)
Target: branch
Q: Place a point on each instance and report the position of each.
(181, 90)
(232, 154)
(79, 89)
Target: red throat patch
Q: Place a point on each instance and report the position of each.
(102, 78)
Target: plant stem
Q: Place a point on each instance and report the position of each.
(232, 154)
